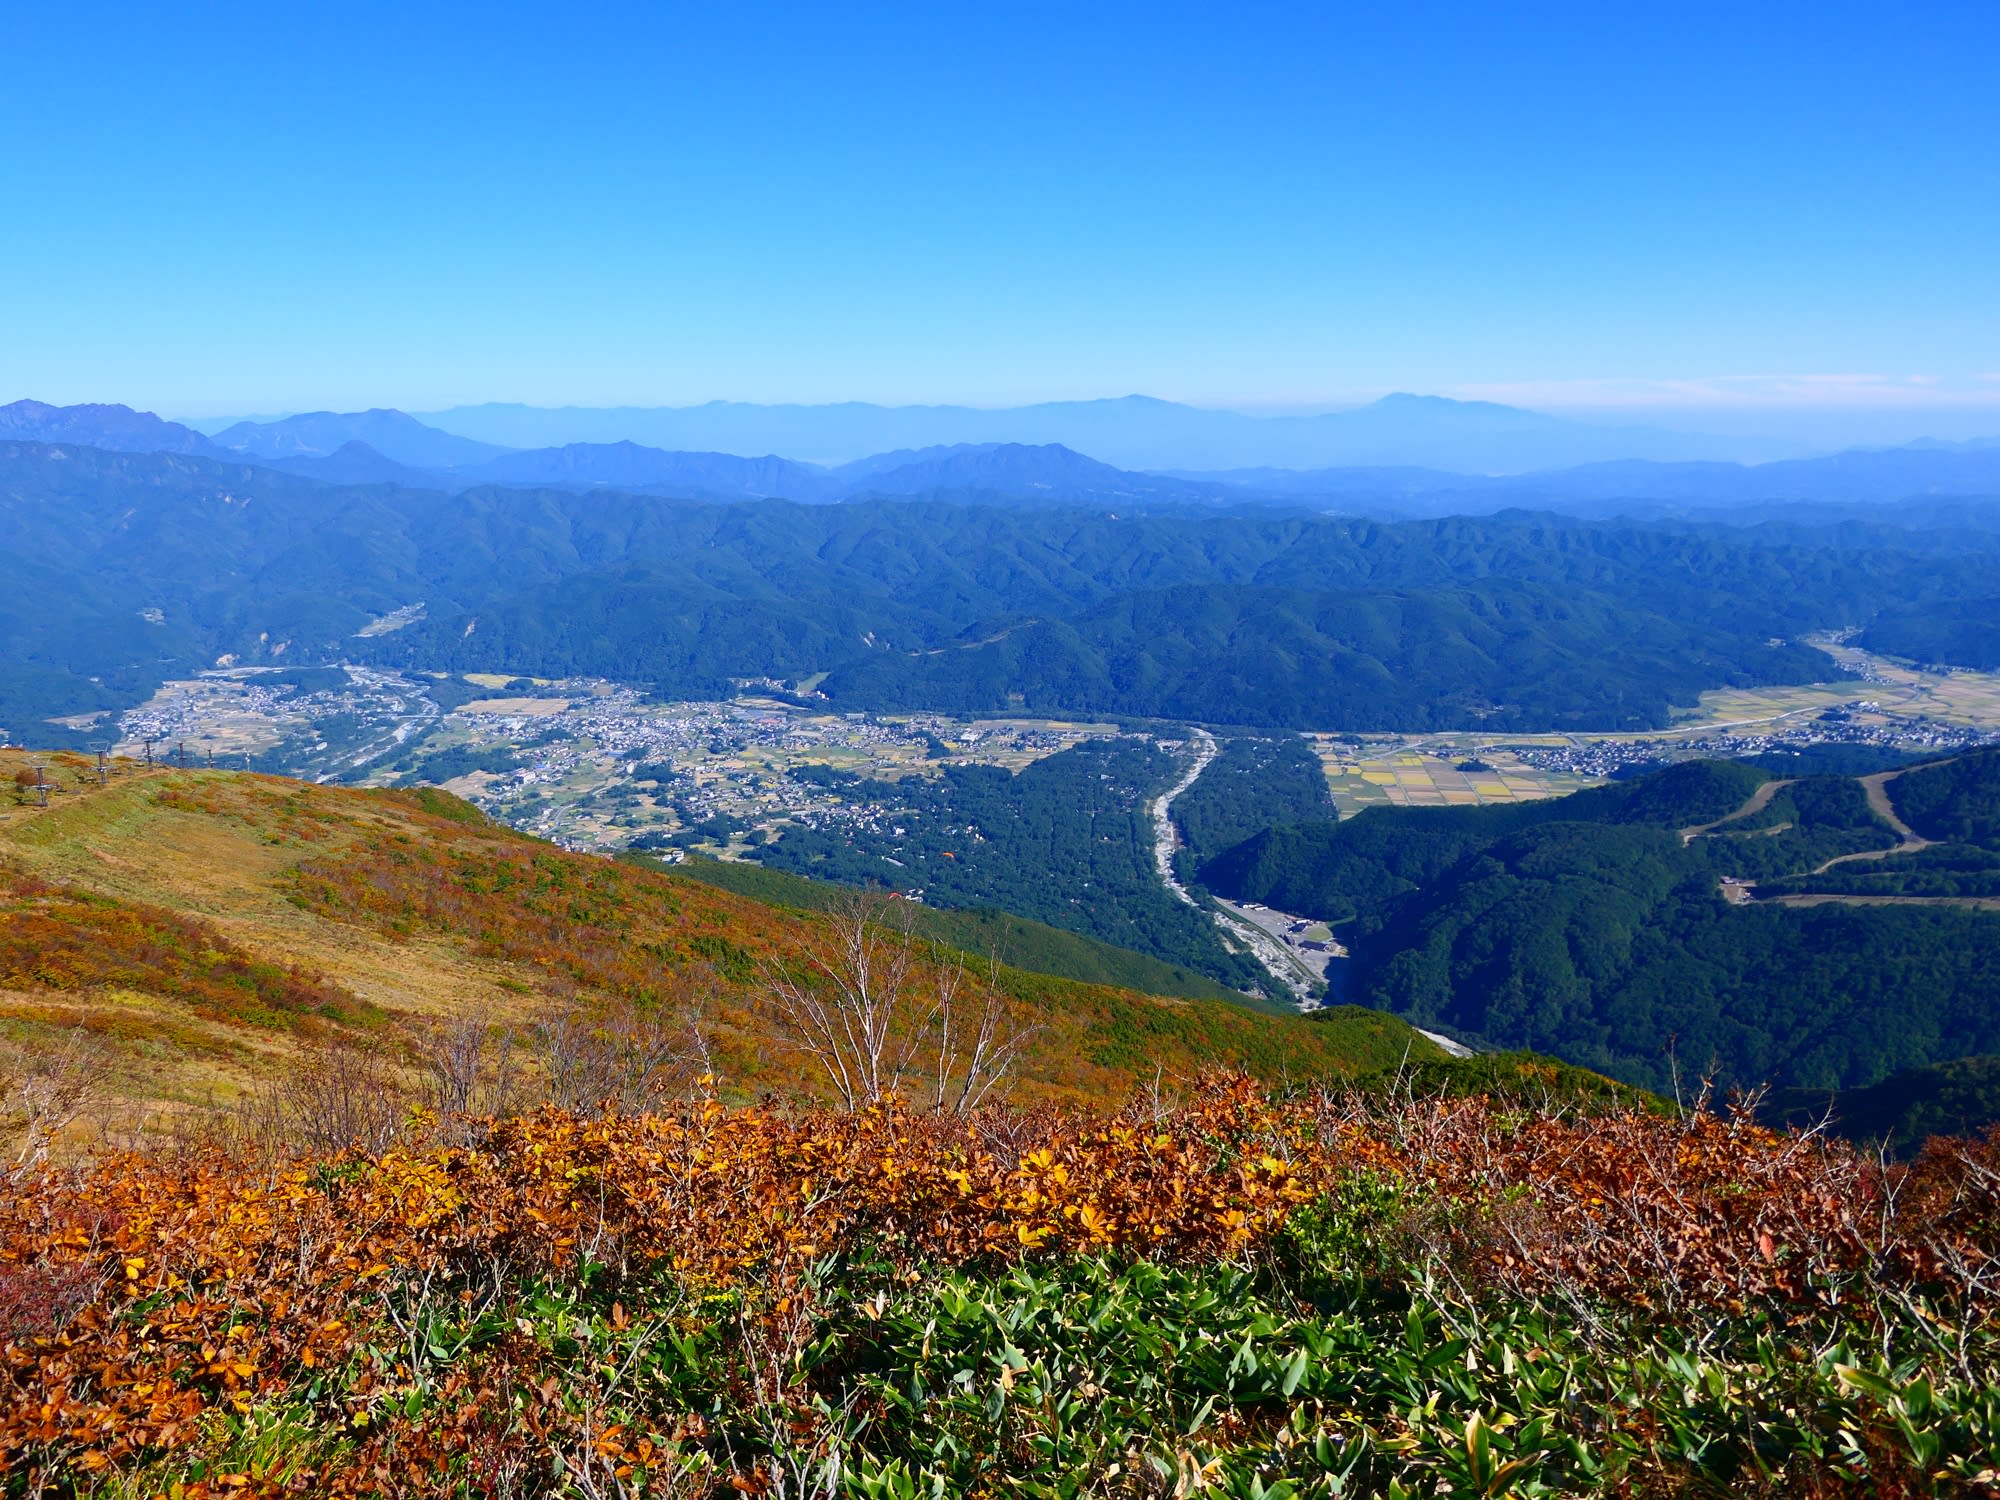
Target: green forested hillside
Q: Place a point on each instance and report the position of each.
(1252, 784)
(1496, 653)
(1958, 872)
(1959, 633)
(1067, 841)
(1957, 801)
(1017, 942)
(1340, 871)
(1960, 1098)
(1592, 927)
(1609, 947)
(162, 563)
(1806, 824)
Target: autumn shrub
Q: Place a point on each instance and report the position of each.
(594, 923)
(56, 937)
(1235, 1293)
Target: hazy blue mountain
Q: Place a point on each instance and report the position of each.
(627, 465)
(118, 429)
(850, 474)
(1003, 470)
(1130, 432)
(210, 426)
(1351, 481)
(393, 434)
(1047, 472)
(357, 463)
(1864, 476)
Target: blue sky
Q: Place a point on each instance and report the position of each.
(1734, 209)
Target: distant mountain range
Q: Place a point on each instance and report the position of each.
(393, 434)
(1858, 477)
(1049, 474)
(1131, 432)
(146, 566)
(384, 446)
(116, 428)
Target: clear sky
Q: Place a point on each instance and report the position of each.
(222, 208)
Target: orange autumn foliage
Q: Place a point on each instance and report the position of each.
(143, 1296)
(56, 937)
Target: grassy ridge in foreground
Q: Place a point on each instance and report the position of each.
(263, 916)
(1250, 1296)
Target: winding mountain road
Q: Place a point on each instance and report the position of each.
(1876, 788)
(1755, 803)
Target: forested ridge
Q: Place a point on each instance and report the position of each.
(162, 563)
(1066, 841)
(1017, 942)
(1252, 784)
(1958, 633)
(1592, 926)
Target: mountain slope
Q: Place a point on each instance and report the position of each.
(1495, 654)
(628, 465)
(1595, 927)
(118, 429)
(316, 912)
(1014, 941)
(394, 434)
(1862, 477)
(1132, 432)
(165, 562)
(1047, 472)
(357, 463)
(1610, 947)
(1965, 633)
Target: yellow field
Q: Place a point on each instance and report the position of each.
(1397, 776)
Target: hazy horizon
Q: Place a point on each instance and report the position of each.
(1806, 430)
(1763, 221)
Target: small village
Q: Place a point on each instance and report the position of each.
(599, 765)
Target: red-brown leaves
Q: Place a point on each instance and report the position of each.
(57, 938)
(146, 1297)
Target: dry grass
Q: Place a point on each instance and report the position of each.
(417, 917)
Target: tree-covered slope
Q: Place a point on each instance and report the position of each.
(1593, 926)
(1066, 841)
(165, 562)
(1610, 947)
(1957, 801)
(1494, 653)
(1339, 871)
(1252, 784)
(1958, 633)
(1015, 941)
(1957, 1098)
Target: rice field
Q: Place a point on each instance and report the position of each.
(1405, 775)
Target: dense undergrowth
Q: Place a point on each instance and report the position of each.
(64, 939)
(1238, 1293)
